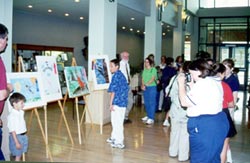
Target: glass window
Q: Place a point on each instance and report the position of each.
(206, 4)
(231, 3)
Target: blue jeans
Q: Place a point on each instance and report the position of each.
(1, 153)
(150, 101)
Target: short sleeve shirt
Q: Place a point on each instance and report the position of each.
(3, 82)
(147, 75)
(16, 121)
(233, 83)
(228, 94)
(120, 87)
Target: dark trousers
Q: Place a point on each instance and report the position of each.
(1, 153)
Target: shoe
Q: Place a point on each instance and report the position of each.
(144, 118)
(110, 140)
(120, 146)
(166, 123)
(127, 121)
(150, 121)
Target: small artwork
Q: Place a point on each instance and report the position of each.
(100, 71)
(76, 80)
(29, 84)
(47, 67)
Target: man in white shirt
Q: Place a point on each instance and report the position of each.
(125, 69)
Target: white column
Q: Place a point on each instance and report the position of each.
(153, 34)
(6, 12)
(102, 40)
(178, 35)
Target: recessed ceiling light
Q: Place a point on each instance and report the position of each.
(81, 17)
(123, 27)
(131, 29)
(168, 26)
(132, 18)
(49, 10)
(144, 33)
(163, 34)
(66, 14)
(138, 31)
(162, 23)
(77, 0)
(168, 30)
(30, 6)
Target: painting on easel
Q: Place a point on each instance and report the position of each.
(100, 71)
(76, 80)
(29, 84)
(47, 66)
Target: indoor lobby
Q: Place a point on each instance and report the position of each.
(75, 129)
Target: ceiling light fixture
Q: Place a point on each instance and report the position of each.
(123, 27)
(49, 10)
(138, 31)
(77, 0)
(131, 29)
(163, 34)
(132, 19)
(81, 17)
(66, 14)
(30, 6)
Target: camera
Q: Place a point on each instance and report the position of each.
(188, 77)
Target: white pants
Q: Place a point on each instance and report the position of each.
(179, 140)
(117, 119)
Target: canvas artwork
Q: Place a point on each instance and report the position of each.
(47, 66)
(76, 80)
(29, 84)
(100, 71)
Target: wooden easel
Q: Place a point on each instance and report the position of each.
(45, 138)
(79, 122)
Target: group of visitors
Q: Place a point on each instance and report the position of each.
(202, 95)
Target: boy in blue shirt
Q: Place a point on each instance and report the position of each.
(118, 90)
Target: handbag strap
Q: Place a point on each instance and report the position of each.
(172, 84)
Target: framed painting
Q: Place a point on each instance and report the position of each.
(47, 67)
(76, 81)
(100, 71)
(30, 85)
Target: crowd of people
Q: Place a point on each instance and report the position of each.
(203, 96)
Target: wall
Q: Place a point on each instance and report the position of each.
(43, 30)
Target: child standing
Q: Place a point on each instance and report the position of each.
(118, 90)
(18, 140)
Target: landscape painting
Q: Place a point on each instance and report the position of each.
(30, 85)
(76, 80)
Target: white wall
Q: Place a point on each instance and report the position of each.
(50, 31)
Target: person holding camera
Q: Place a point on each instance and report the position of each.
(179, 142)
(207, 123)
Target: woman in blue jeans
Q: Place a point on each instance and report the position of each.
(149, 78)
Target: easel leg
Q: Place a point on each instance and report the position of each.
(78, 123)
(30, 119)
(44, 138)
(46, 128)
(23, 157)
(86, 109)
(65, 121)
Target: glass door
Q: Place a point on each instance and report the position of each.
(240, 56)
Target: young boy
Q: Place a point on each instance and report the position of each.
(18, 140)
(118, 90)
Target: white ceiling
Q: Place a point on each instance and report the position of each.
(75, 10)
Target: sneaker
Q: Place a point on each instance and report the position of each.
(150, 121)
(120, 146)
(110, 140)
(144, 118)
(166, 123)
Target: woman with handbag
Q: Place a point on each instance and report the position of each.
(149, 77)
(179, 137)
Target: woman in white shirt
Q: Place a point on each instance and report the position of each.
(207, 124)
